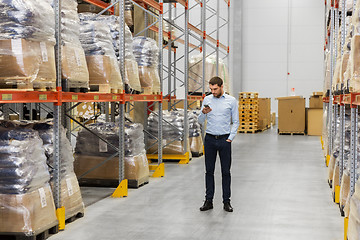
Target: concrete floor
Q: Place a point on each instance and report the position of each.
(279, 192)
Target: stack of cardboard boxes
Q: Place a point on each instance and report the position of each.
(314, 114)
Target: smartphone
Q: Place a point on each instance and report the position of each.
(207, 106)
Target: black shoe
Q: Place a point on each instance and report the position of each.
(207, 206)
(228, 207)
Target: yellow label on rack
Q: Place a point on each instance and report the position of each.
(155, 98)
(43, 97)
(74, 97)
(114, 97)
(6, 96)
(144, 97)
(131, 98)
(96, 97)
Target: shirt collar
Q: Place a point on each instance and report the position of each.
(222, 96)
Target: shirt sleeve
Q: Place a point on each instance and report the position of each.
(202, 116)
(235, 119)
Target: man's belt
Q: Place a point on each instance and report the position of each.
(218, 136)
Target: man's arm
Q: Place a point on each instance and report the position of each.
(202, 116)
(235, 119)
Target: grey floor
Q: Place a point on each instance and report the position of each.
(279, 191)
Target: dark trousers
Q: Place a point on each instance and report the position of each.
(212, 147)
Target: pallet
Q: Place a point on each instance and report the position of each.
(116, 91)
(38, 235)
(19, 84)
(197, 154)
(74, 217)
(247, 123)
(113, 183)
(248, 95)
(79, 90)
(248, 111)
(149, 91)
(44, 86)
(248, 131)
(100, 88)
(291, 133)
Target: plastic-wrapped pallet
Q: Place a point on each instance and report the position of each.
(196, 68)
(335, 153)
(132, 81)
(128, 13)
(146, 53)
(327, 72)
(27, 39)
(353, 232)
(91, 151)
(173, 139)
(73, 61)
(354, 58)
(196, 142)
(26, 201)
(70, 194)
(325, 131)
(96, 39)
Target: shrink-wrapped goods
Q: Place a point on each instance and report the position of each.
(129, 6)
(173, 139)
(27, 38)
(96, 39)
(146, 54)
(91, 151)
(196, 72)
(73, 63)
(26, 201)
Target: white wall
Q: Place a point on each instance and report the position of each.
(269, 53)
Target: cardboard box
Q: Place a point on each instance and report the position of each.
(291, 114)
(264, 114)
(136, 167)
(30, 213)
(314, 122)
(19, 58)
(71, 197)
(74, 66)
(46, 77)
(99, 67)
(316, 102)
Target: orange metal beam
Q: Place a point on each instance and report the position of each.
(151, 3)
(142, 98)
(100, 4)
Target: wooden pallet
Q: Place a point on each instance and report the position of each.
(248, 120)
(248, 111)
(248, 124)
(114, 183)
(100, 88)
(248, 95)
(79, 90)
(38, 235)
(19, 84)
(116, 91)
(75, 216)
(291, 133)
(149, 91)
(44, 86)
(248, 131)
(197, 154)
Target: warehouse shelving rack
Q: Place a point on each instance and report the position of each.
(336, 103)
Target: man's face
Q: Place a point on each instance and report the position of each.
(216, 90)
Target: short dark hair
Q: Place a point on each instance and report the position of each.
(216, 80)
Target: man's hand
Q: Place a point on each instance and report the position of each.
(206, 110)
(228, 140)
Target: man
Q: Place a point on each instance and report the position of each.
(220, 110)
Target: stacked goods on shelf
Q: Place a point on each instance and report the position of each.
(131, 66)
(196, 69)
(27, 40)
(248, 111)
(354, 58)
(70, 195)
(131, 81)
(91, 152)
(96, 39)
(196, 142)
(334, 155)
(146, 53)
(344, 66)
(314, 116)
(353, 231)
(74, 69)
(325, 130)
(173, 128)
(26, 201)
(129, 6)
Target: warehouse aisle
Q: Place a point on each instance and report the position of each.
(279, 193)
